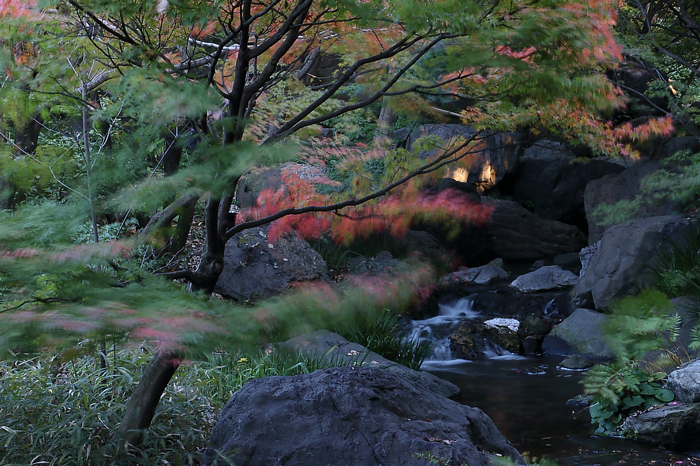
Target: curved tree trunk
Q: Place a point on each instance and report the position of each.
(143, 403)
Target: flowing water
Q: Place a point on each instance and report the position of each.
(526, 398)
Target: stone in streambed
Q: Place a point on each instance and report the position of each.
(675, 426)
(551, 277)
(580, 333)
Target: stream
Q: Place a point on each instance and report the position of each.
(526, 398)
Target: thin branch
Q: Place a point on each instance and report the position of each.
(37, 300)
(122, 36)
(186, 274)
(298, 121)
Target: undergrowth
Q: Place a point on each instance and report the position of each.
(54, 413)
(643, 333)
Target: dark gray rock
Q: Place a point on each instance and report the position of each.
(350, 416)
(689, 143)
(332, 345)
(256, 180)
(254, 268)
(621, 261)
(549, 277)
(427, 246)
(441, 133)
(382, 263)
(478, 275)
(580, 333)
(611, 189)
(675, 426)
(575, 362)
(514, 233)
(554, 187)
(685, 382)
(546, 149)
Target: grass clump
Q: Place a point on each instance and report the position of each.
(381, 335)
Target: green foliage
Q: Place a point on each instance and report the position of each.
(642, 332)
(678, 181)
(529, 461)
(107, 232)
(620, 212)
(380, 334)
(65, 412)
(676, 266)
(620, 389)
(639, 324)
(352, 127)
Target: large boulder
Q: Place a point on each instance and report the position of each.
(323, 343)
(621, 261)
(349, 416)
(685, 382)
(554, 187)
(580, 333)
(496, 155)
(255, 268)
(550, 277)
(514, 233)
(675, 426)
(624, 186)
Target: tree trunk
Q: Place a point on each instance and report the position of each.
(212, 261)
(182, 230)
(143, 403)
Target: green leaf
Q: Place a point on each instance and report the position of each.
(633, 401)
(665, 395)
(646, 389)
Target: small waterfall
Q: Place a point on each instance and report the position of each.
(493, 351)
(437, 330)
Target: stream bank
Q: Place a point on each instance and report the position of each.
(531, 412)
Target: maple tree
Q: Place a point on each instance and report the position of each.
(228, 85)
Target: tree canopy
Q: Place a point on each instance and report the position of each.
(117, 110)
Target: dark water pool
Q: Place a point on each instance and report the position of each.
(531, 411)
